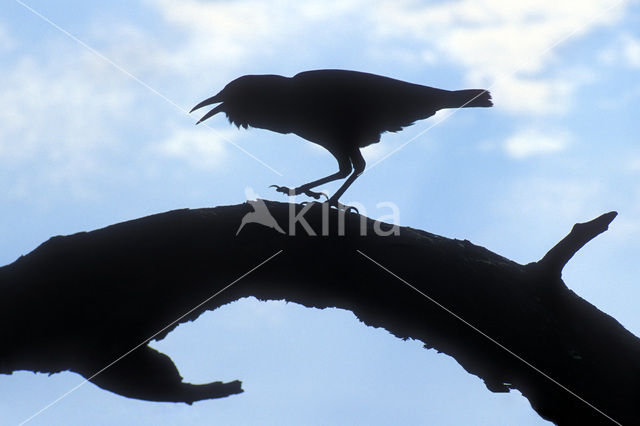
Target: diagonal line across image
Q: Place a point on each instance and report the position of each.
(477, 330)
(522, 65)
(145, 341)
(139, 81)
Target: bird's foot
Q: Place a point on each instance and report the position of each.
(284, 189)
(343, 207)
(315, 195)
(295, 191)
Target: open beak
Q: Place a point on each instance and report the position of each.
(212, 100)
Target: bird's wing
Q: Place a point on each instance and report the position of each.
(384, 104)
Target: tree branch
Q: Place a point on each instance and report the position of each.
(82, 301)
(580, 234)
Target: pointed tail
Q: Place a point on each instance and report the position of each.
(468, 98)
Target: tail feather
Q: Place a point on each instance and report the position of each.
(468, 98)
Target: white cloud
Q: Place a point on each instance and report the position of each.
(223, 33)
(44, 109)
(57, 119)
(500, 42)
(224, 36)
(532, 95)
(508, 45)
(531, 142)
(6, 41)
(65, 111)
(198, 147)
(631, 51)
(625, 50)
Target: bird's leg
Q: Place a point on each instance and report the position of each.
(345, 167)
(358, 167)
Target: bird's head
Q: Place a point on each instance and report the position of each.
(245, 98)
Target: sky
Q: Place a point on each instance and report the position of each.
(95, 130)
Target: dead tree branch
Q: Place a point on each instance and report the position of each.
(82, 301)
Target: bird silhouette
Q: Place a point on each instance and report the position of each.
(342, 111)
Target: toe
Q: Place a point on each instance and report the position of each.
(283, 189)
(314, 194)
(343, 207)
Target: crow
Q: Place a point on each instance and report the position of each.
(339, 110)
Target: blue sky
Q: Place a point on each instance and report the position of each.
(91, 138)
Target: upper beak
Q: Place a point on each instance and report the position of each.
(212, 100)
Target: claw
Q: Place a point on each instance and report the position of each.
(349, 208)
(285, 190)
(314, 194)
(343, 207)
